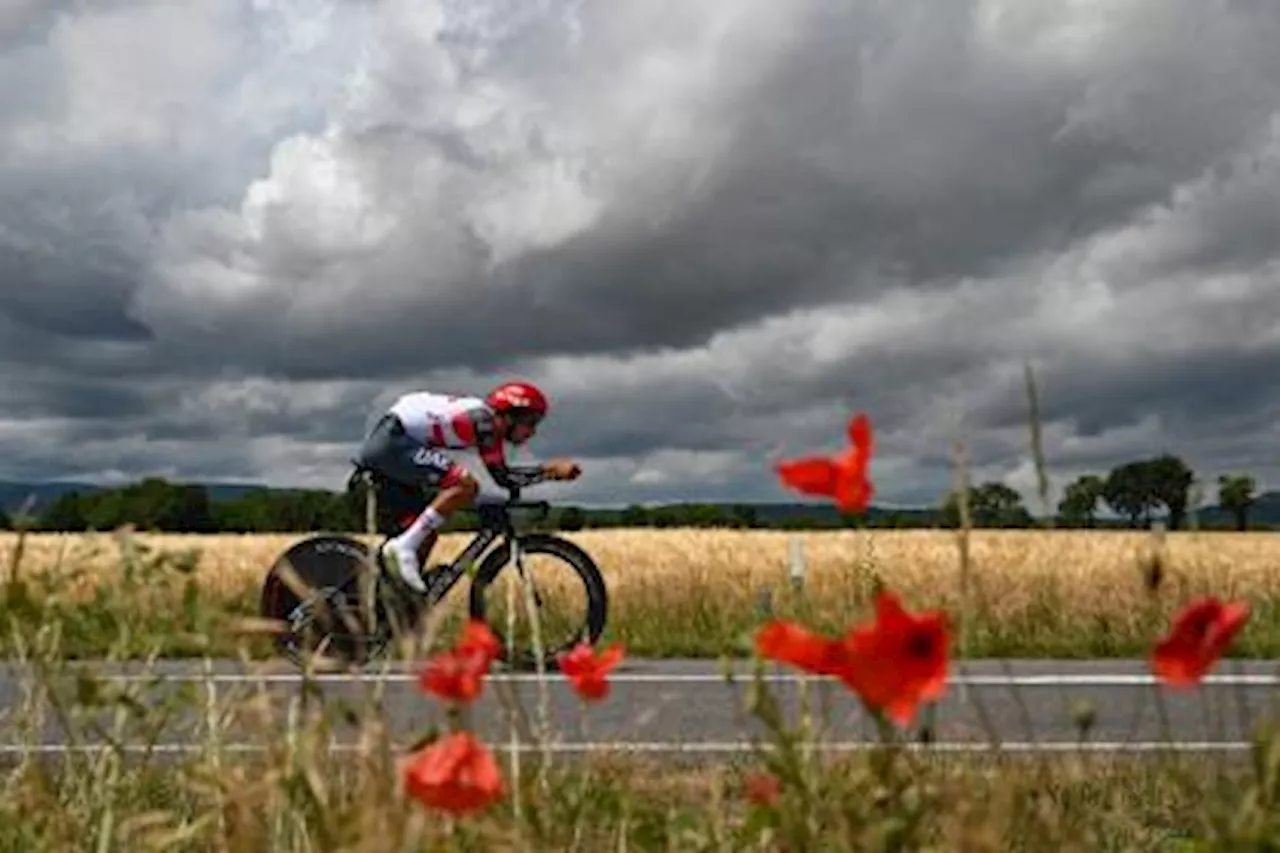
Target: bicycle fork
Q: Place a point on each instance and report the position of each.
(526, 578)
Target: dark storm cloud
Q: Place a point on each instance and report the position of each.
(884, 150)
(61, 396)
(780, 213)
(49, 294)
(73, 247)
(291, 410)
(1186, 390)
(828, 193)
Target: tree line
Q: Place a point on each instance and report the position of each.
(1160, 487)
(1139, 492)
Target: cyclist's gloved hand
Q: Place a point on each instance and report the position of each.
(562, 469)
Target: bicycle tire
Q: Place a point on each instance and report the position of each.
(328, 564)
(583, 565)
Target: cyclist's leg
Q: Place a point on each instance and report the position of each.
(399, 493)
(390, 451)
(409, 551)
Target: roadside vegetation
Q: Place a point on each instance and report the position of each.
(258, 773)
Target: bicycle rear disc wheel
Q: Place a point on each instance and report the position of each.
(573, 604)
(324, 617)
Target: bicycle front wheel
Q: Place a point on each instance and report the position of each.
(556, 588)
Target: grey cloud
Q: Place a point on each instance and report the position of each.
(1197, 396)
(49, 294)
(917, 166)
(860, 208)
(50, 394)
(829, 192)
(20, 19)
(1232, 226)
(686, 414)
(80, 429)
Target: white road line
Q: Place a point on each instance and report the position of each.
(1041, 680)
(711, 747)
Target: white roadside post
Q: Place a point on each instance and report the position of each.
(796, 563)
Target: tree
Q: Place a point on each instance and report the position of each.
(1129, 491)
(1001, 506)
(189, 511)
(1236, 495)
(1079, 502)
(1136, 489)
(702, 515)
(667, 516)
(634, 516)
(991, 504)
(571, 519)
(1171, 481)
(68, 513)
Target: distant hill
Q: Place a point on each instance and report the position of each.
(1265, 510)
(13, 495)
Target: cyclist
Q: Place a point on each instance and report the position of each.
(408, 442)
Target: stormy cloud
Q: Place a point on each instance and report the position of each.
(228, 235)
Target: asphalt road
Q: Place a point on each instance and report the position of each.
(667, 706)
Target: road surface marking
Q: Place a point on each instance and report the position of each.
(1042, 680)
(709, 747)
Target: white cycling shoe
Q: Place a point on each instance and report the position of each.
(403, 559)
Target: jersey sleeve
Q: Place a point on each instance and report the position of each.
(479, 427)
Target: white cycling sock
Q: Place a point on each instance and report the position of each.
(428, 522)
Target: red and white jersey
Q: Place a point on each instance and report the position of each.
(451, 422)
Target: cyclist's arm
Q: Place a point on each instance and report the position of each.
(493, 455)
(495, 460)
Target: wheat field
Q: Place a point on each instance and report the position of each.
(692, 591)
(1100, 568)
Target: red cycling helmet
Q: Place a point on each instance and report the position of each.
(520, 401)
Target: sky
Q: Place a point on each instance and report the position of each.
(231, 231)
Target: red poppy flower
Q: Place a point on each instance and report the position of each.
(477, 636)
(1200, 633)
(456, 773)
(457, 674)
(588, 671)
(843, 478)
(761, 788)
(898, 661)
(796, 645)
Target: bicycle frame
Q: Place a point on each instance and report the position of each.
(495, 524)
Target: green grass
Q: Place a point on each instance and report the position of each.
(299, 795)
(315, 802)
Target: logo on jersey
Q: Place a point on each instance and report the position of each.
(431, 457)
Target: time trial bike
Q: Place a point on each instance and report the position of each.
(314, 588)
